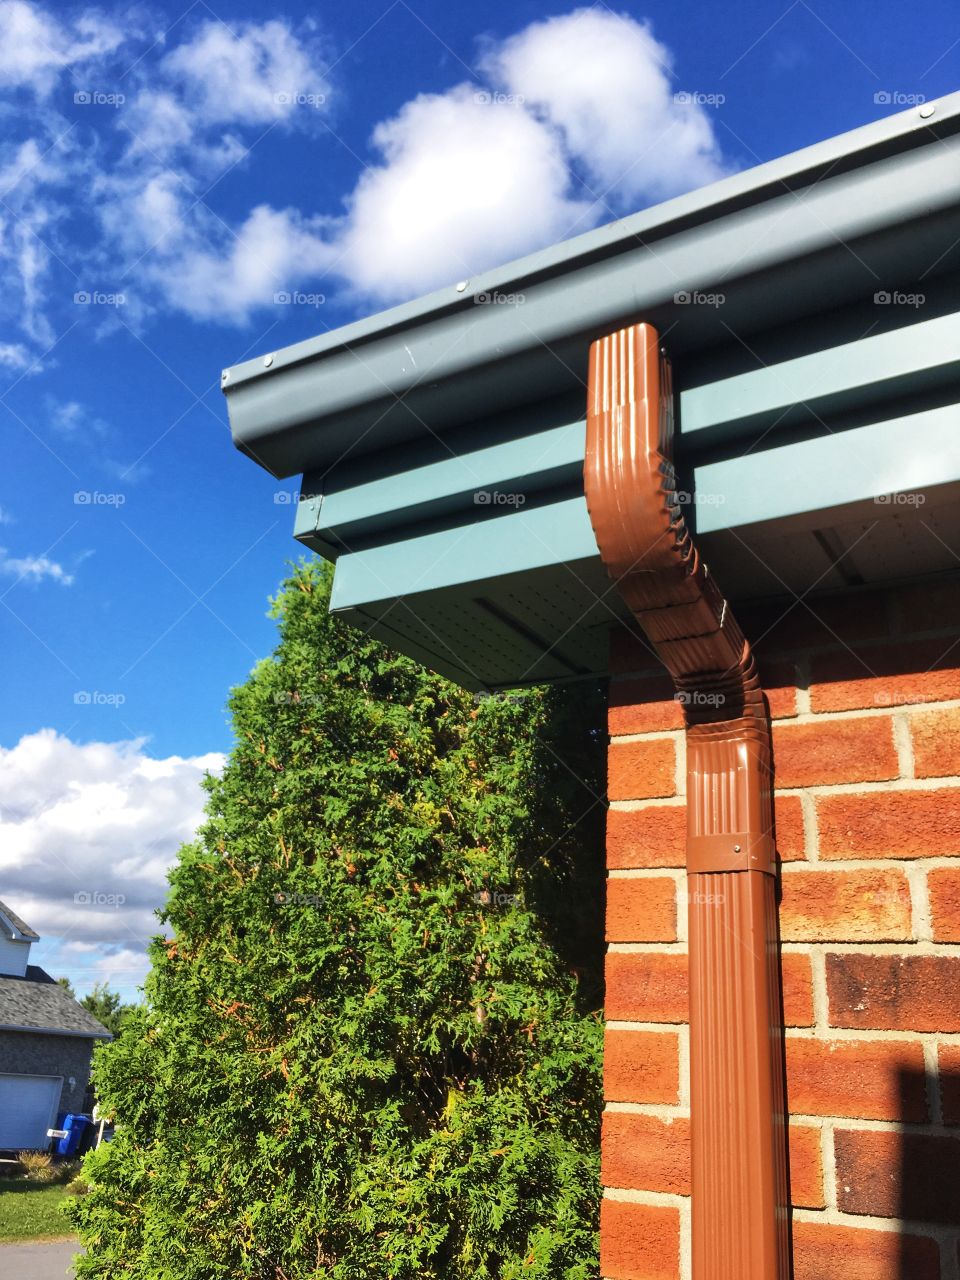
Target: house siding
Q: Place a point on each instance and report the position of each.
(35, 1054)
(864, 694)
(14, 956)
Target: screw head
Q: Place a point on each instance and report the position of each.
(927, 110)
(267, 361)
(736, 848)
(225, 376)
(461, 285)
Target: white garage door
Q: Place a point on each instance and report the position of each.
(28, 1108)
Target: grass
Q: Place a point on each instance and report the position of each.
(31, 1210)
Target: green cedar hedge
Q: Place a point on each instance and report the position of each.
(371, 1041)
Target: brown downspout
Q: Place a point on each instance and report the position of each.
(740, 1228)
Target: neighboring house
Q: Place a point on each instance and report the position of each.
(46, 1043)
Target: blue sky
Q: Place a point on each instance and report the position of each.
(169, 176)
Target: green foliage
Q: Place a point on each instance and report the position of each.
(107, 1007)
(371, 1043)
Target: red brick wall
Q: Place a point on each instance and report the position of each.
(865, 694)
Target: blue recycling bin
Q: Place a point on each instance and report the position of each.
(76, 1126)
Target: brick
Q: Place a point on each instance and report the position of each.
(644, 1153)
(822, 1252)
(644, 986)
(639, 1241)
(948, 1067)
(775, 626)
(868, 1080)
(641, 1066)
(642, 770)
(890, 824)
(845, 906)
(653, 837)
(656, 836)
(898, 1175)
(936, 743)
(643, 910)
(788, 818)
(779, 683)
(797, 977)
(806, 1167)
(890, 675)
(894, 992)
(943, 884)
(643, 704)
(834, 751)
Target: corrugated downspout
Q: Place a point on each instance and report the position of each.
(740, 1225)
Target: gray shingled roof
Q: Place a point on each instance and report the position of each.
(37, 1003)
(18, 923)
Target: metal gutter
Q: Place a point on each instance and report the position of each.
(738, 1126)
(798, 234)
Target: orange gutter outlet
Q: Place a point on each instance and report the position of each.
(739, 1182)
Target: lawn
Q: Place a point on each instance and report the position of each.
(30, 1210)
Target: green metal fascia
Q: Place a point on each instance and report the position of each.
(483, 478)
(495, 547)
(794, 486)
(815, 390)
(908, 359)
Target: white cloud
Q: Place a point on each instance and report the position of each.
(250, 74)
(466, 179)
(33, 568)
(472, 178)
(191, 113)
(71, 418)
(65, 416)
(466, 183)
(35, 47)
(222, 276)
(27, 160)
(140, 213)
(188, 258)
(100, 440)
(101, 819)
(167, 140)
(604, 81)
(31, 171)
(123, 968)
(158, 122)
(14, 355)
(577, 122)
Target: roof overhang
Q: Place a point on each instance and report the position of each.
(14, 929)
(441, 442)
(57, 1031)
